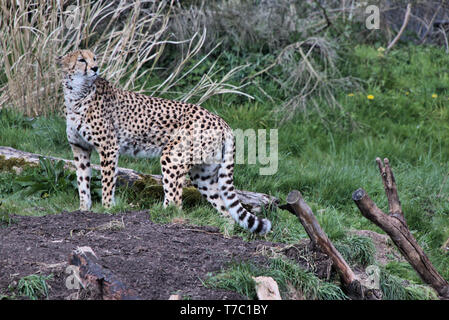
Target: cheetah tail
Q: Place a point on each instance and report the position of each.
(245, 219)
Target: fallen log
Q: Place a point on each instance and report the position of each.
(252, 201)
(97, 279)
(352, 285)
(395, 226)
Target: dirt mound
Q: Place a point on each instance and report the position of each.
(155, 260)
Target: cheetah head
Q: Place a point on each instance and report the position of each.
(80, 65)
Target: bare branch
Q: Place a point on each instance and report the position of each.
(404, 25)
(297, 206)
(395, 226)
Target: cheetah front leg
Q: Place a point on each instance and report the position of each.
(108, 162)
(81, 156)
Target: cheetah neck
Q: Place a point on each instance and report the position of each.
(76, 88)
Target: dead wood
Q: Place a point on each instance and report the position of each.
(252, 201)
(431, 23)
(395, 226)
(99, 279)
(403, 27)
(352, 285)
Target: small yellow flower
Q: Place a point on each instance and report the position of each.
(380, 52)
(434, 96)
(370, 97)
(350, 94)
(407, 93)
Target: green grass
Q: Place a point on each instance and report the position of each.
(357, 250)
(394, 287)
(33, 286)
(239, 278)
(325, 156)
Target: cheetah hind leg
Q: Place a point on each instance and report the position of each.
(205, 178)
(173, 177)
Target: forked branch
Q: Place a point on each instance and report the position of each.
(391, 190)
(353, 286)
(403, 27)
(395, 226)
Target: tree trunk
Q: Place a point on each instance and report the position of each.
(97, 279)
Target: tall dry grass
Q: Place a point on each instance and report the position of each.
(129, 38)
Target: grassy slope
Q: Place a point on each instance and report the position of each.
(325, 160)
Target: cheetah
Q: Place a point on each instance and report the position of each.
(189, 140)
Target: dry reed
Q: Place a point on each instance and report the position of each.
(128, 37)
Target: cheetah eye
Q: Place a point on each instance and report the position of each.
(82, 60)
(95, 58)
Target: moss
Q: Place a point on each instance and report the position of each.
(9, 164)
(149, 188)
(191, 196)
(146, 180)
(152, 191)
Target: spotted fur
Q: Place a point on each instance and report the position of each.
(188, 139)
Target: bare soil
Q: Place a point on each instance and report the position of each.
(153, 259)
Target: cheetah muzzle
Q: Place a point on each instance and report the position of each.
(188, 139)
